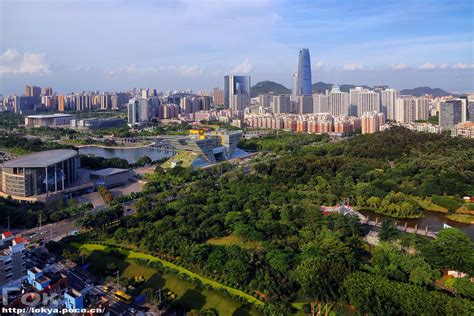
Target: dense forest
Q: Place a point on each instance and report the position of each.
(285, 250)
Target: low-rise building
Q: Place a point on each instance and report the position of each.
(49, 120)
(110, 177)
(12, 264)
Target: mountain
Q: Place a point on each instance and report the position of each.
(420, 91)
(268, 87)
(321, 87)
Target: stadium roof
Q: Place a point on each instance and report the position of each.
(40, 159)
(45, 116)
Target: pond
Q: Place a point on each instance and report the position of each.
(434, 221)
(129, 154)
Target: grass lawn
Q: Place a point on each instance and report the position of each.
(430, 206)
(233, 240)
(188, 294)
(462, 218)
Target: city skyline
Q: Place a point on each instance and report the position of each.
(401, 44)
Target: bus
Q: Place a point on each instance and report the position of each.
(122, 297)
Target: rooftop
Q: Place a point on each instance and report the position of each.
(40, 159)
(108, 172)
(40, 116)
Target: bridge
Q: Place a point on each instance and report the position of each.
(429, 231)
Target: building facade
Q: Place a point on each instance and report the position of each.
(39, 173)
(304, 80)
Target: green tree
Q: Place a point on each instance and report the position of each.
(389, 230)
(451, 249)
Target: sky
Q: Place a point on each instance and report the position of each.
(113, 45)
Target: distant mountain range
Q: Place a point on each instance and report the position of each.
(270, 87)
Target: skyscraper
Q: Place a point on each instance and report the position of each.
(235, 85)
(304, 83)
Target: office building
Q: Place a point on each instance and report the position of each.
(39, 173)
(305, 104)
(304, 82)
(12, 258)
(338, 102)
(26, 104)
(236, 85)
(450, 113)
(281, 104)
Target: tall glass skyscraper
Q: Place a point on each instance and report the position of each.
(304, 86)
(235, 85)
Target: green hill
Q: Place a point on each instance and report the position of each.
(268, 87)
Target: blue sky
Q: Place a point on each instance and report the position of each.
(114, 45)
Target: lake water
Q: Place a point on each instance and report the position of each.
(130, 154)
(433, 220)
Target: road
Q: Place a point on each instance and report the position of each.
(53, 231)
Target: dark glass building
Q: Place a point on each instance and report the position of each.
(450, 113)
(304, 83)
(235, 85)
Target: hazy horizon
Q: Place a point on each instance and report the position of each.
(117, 45)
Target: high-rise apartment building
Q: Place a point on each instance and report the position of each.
(409, 109)
(281, 104)
(388, 99)
(338, 102)
(61, 103)
(235, 85)
(32, 91)
(367, 101)
(47, 91)
(450, 113)
(105, 101)
(218, 96)
(372, 121)
(320, 103)
(265, 99)
(304, 82)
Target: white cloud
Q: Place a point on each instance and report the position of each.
(443, 66)
(427, 66)
(190, 71)
(352, 67)
(318, 66)
(14, 63)
(122, 69)
(460, 66)
(244, 68)
(399, 67)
